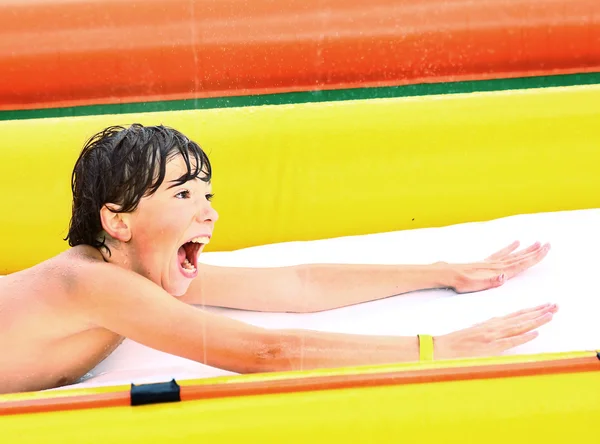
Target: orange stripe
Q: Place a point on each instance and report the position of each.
(316, 383)
(575, 365)
(96, 401)
(98, 52)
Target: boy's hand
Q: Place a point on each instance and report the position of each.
(494, 336)
(496, 269)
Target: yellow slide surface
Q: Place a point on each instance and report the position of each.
(320, 170)
(545, 398)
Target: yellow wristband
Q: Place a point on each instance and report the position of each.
(425, 347)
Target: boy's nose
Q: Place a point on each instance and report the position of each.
(214, 216)
(208, 214)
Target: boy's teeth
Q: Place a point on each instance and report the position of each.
(201, 240)
(187, 265)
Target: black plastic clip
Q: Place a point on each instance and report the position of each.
(155, 393)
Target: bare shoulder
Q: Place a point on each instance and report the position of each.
(71, 288)
(98, 286)
(88, 271)
(41, 298)
(92, 281)
(54, 280)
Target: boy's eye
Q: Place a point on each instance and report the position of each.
(185, 194)
(209, 197)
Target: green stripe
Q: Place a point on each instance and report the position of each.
(311, 96)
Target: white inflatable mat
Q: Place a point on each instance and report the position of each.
(568, 276)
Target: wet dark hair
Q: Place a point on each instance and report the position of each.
(120, 166)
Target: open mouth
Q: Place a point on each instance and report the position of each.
(188, 253)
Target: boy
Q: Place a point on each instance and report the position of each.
(141, 218)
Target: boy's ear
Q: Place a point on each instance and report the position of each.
(116, 225)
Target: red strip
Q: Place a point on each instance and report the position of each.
(93, 51)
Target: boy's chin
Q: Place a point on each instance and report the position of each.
(178, 289)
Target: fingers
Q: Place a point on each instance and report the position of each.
(513, 268)
(515, 264)
(534, 311)
(515, 341)
(530, 251)
(497, 334)
(533, 247)
(533, 250)
(504, 252)
(498, 280)
(518, 259)
(499, 267)
(518, 316)
(526, 325)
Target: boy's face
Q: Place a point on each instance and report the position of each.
(170, 228)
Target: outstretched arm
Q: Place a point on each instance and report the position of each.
(317, 287)
(134, 307)
(129, 305)
(308, 288)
